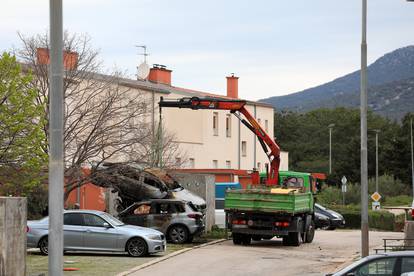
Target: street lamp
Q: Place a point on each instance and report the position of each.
(364, 152)
(330, 147)
(412, 157)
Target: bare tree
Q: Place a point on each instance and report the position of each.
(103, 119)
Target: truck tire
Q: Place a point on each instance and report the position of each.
(237, 239)
(310, 234)
(256, 238)
(246, 239)
(293, 239)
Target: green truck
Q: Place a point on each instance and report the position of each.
(263, 212)
(280, 203)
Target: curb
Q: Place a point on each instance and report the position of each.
(163, 258)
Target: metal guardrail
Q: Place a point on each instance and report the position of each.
(390, 245)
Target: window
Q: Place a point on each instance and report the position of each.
(259, 121)
(73, 219)
(192, 163)
(244, 148)
(215, 123)
(383, 267)
(259, 166)
(292, 182)
(228, 164)
(228, 125)
(266, 125)
(178, 161)
(92, 220)
(407, 264)
(215, 164)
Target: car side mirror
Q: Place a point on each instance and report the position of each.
(106, 225)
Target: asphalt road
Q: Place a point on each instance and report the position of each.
(329, 250)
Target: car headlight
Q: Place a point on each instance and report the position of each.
(154, 237)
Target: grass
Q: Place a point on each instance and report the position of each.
(94, 264)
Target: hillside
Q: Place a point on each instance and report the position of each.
(390, 80)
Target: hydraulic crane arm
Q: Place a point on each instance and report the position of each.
(236, 107)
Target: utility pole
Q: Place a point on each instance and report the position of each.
(364, 151)
(56, 182)
(330, 147)
(412, 155)
(377, 131)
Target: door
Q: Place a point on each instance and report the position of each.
(73, 231)
(160, 216)
(99, 235)
(138, 215)
(377, 267)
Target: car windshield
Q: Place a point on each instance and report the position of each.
(320, 206)
(112, 220)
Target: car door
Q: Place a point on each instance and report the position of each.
(160, 216)
(379, 267)
(99, 235)
(407, 264)
(73, 231)
(137, 215)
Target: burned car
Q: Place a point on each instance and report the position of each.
(179, 220)
(134, 183)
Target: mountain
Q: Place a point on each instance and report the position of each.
(390, 80)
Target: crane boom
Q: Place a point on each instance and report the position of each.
(236, 107)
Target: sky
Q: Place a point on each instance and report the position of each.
(275, 47)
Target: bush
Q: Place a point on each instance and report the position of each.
(401, 200)
(380, 220)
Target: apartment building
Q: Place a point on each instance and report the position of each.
(208, 139)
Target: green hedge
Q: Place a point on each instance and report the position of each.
(380, 220)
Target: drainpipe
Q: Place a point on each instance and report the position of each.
(238, 146)
(254, 140)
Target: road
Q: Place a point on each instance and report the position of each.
(330, 250)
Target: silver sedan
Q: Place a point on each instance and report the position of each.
(89, 230)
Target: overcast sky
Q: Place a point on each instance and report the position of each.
(275, 47)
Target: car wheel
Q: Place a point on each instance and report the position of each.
(43, 245)
(137, 247)
(178, 234)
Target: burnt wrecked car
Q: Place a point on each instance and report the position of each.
(134, 183)
(179, 220)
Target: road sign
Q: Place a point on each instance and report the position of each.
(376, 205)
(376, 196)
(344, 188)
(344, 180)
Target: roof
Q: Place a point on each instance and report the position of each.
(162, 88)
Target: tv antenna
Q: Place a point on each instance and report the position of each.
(143, 69)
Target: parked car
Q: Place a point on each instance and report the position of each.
(89, 230)
(335, 219)
(386, 264)
(179, 220)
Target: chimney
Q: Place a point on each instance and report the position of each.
(233, 86)
(160, 74)
(70, 59)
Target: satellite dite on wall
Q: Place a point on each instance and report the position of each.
(143, 69)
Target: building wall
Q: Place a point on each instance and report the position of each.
(208, 148)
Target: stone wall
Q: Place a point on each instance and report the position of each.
(13, 216)
(202, 185)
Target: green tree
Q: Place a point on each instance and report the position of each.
(21, 137)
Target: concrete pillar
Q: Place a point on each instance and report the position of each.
(202, 185)
(13, 215)
(409, 234)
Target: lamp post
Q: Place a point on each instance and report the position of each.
(56, 165)
(412, 155)
(330, 147)
(364, 151)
